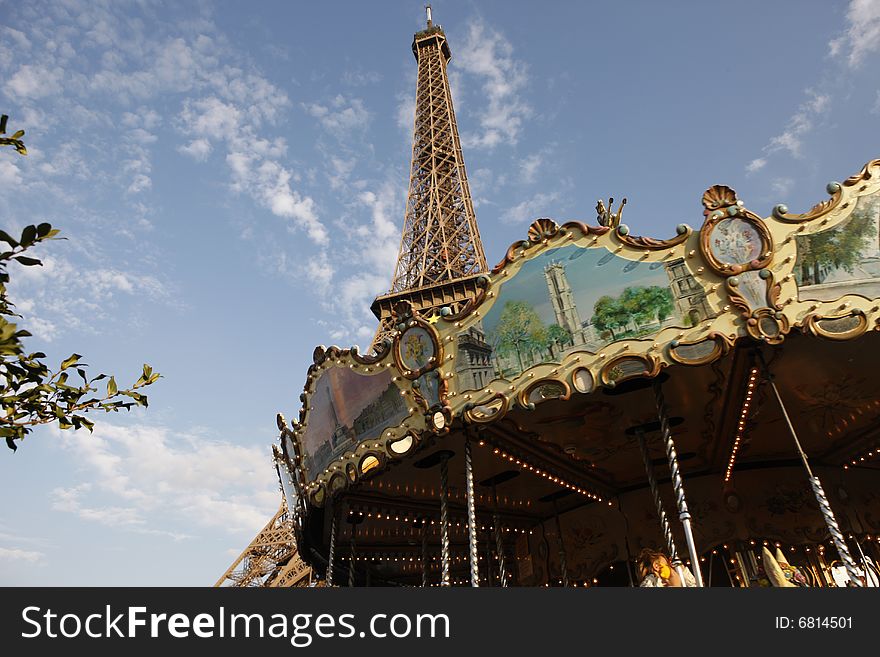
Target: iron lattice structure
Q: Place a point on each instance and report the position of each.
(440, 258)
(440, 249)
(271, 559)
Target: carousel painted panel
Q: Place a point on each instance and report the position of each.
(844, 259)
(346, 409)
(582, 299)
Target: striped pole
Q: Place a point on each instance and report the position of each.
(677, 484)
(471, 513)
(818, 491)
(444, 521)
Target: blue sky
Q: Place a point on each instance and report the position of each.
(231, 179)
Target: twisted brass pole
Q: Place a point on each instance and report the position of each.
(563, 562)
(658, 503)
(499, 541)
(351, 572)
(677, 484)
(424, 553)
(830, 521)
(471, 513)
(332, 554)
(444, 521)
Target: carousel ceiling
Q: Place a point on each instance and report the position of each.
(544, 363)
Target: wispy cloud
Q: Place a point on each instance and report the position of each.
(487, 57)
(862, 35)
(17, 554)
(147, 479)
(799, 126)
(530, 209)
(340, 116)
(529, 167)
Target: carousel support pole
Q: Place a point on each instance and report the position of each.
(332, 554)
(351, 572)
(424, 552)
(473, 555)
(658, 502)
(490, 581)
(444, 521)
(563, 562)
(818, 491)
(499, 542)
(677, 484)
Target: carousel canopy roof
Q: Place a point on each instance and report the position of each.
(551, 351)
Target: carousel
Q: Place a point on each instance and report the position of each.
(713, 396)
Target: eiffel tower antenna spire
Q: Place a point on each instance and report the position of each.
(441, 253)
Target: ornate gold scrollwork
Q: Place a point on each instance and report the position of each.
(582, 380)
(627, 367)
(837, 327)
(543, 390)
(768, 325)
(412, 354)
(700, 352)
(489, 411)
(724, 212)
(835, 189)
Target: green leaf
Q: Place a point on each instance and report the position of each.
(8, 239)
(18, 134)
(147, 371)
(70, 361)
(111, 387)
(43, 229)
(28, 235)
(28, 262)
(10, 443)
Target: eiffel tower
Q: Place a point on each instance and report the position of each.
(441, 257)
(441, 254)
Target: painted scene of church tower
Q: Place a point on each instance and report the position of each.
(576, 299)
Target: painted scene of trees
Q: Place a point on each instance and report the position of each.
(574, 298)
(845, 259)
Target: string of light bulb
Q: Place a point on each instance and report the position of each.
(549, 476)
(751, 386)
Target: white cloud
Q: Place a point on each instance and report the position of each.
(198, 149)
(341, 115)
(528, 168)
(782, 186)
(64, 294)
(253, 161)
(17, 554)
(756, 165)
(802, 122)
(488, 56)
(530, 209)
(358, 78)
(10, 174)
(862, 35)
(406, 112)
(34, 82)
(148, 479)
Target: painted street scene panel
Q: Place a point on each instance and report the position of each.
(573, 298)
(843, 260)
(348, 408)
